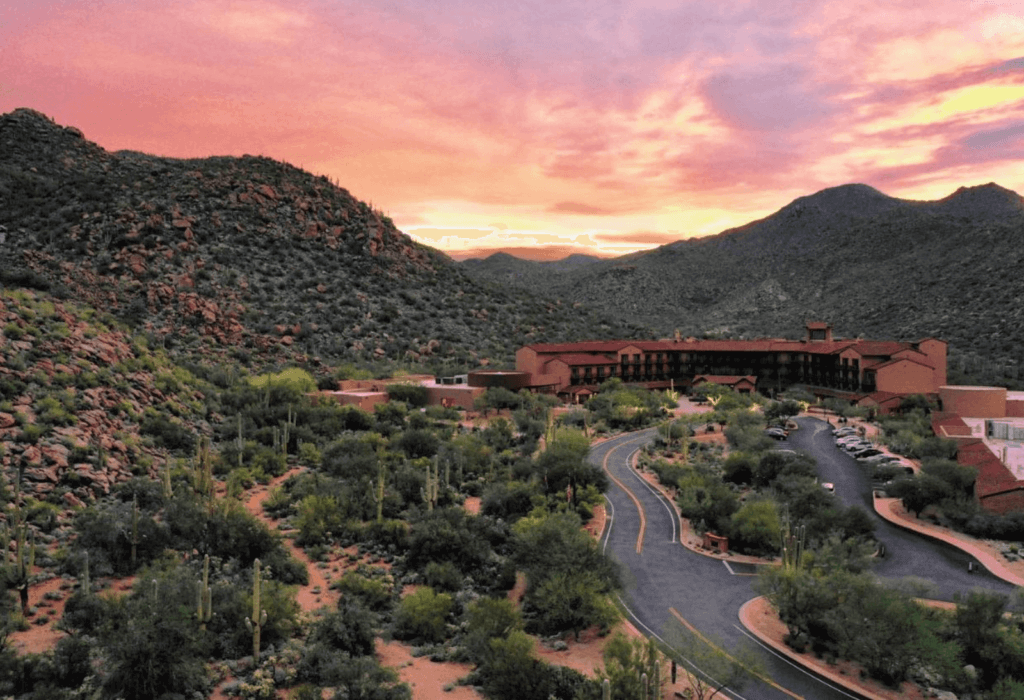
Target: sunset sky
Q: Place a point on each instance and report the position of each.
(545, 128)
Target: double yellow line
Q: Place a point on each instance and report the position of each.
(640, 508)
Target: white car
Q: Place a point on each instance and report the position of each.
(829, 486)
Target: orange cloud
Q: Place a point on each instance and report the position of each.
(608, 130)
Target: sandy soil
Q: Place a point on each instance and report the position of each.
(39, 638)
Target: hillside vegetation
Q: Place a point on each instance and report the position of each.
(250, 257)
(872, 265)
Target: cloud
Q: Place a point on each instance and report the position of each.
(500, 227)
(579, 208)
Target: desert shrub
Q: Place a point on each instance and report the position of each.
(422, 615)
(167, 432)
(350, 629)
(414, 395)
(443, 576)
(755, 527)
(375, 593)
(448, 534)
(509, 500)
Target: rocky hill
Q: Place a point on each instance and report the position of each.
(871, 264)
(84, 405)
(248, 256)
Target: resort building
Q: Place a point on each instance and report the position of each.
(872, 372)
(987, 424)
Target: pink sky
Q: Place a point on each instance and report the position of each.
(551, 127)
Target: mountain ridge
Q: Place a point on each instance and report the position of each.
(248, 256)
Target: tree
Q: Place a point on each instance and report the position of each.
(487, 619)
(572, 601)
(625, 663)
(709, 669)
(756, 526)
(920, 492)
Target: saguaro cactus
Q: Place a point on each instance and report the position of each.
(606, 690)
(240, 441)
(24, 562)
(259, 616)
(135, 527)
(204, 601)
(202, 473)
(430, 489)
(377, 493)
(85, 584)
(793, 546)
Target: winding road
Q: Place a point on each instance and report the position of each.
(669, 589)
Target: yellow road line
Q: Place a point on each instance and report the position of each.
(765, 679)
(640, 508)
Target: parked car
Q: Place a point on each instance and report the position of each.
(776, 433)
(867, 453)
(883, 458)
(839, 432)
(854, 445)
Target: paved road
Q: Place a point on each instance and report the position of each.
(907, 554)
(665, 576)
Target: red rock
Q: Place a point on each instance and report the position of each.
(287, 340)
(267, 191)
(58, 454)
(72, 500)
(31, 454)
(181, 223)
(6, 420)
(42, 474)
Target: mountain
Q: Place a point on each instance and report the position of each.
(871, 264)
(524, 273)
(248, 256)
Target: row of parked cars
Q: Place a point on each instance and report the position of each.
(864, 450)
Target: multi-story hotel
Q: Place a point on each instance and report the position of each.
(874, 372)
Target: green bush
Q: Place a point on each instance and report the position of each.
(422, 615)
(376, 593)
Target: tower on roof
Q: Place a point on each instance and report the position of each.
(819, 331)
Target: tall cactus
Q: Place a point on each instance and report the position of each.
(135, 527)
(240, 441)
(286, 429)
(165, 481)
(606, 690)
(430, 489)
(24, 562)
(793, 544)
(204, 599)
(85, 584)
(377, 492)
(202, 472)
(259, 616)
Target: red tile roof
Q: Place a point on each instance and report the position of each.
(993, 475)
(725, 379)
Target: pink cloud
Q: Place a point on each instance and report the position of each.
(560, 118)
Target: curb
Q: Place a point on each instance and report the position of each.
(991, 564)
(684, 527)
(789, 654)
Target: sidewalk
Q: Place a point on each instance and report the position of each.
(988, 556)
